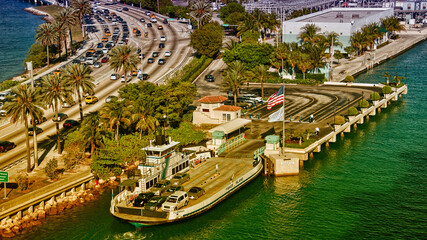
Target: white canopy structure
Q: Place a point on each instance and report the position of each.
(231, 126)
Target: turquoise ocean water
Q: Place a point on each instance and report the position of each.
(17, 30)
(369, 185)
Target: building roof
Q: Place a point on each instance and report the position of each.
(212, 99)
(339, 15)
(231, 126)
(228, 108)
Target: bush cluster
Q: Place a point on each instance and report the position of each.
(363, 103)
(352, 111)
(375, 96)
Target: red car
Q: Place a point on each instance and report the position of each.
(104, 60)
(70, 123)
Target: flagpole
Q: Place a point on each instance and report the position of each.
(283, 135)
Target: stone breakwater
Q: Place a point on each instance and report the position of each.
(12, 226)
(37, 12)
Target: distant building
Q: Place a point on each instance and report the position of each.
(213, 111)
(343, 21)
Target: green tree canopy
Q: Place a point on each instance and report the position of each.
(232, 13)
(208, 39)
(186, 134)
(250, 54)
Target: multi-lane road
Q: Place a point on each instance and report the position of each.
(177, 42)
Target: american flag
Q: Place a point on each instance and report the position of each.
(276, 98)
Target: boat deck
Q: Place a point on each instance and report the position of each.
(203, 175)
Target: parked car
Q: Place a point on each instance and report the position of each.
(100, 45)
(173, 189)
(253, 97)
(31, 131)
(195, 193)
(60, 117)
(110, 98)
(91, 99)
(6, 146)
(180, 178)
(69, 123)
(209, 78)
(162, 61)
(3, 113)
(155, 203)
(175, 201)
(75, 61)
(142, 198)
(89, 60)
(160, 187)
(38, 121)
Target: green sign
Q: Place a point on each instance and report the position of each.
(4, 177)
(225, 25)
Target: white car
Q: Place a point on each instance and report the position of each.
(113, 76)
(168, 53)
(105, 50)
(162, 38)
(253, 97)
(128, 79)
(121, 43)
(153, 20)
(89, 60)
(175, 201)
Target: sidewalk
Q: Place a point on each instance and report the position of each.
(356, 65)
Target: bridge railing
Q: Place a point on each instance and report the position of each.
(231, 143)
(259, 152)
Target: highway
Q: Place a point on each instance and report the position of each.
(177, 42)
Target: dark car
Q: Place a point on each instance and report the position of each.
(31, 131)
(160, 187)
(180, 178)
(195, 193)
(155, 54)
(155, 203)
(142, 20)
(165, 21)
(125, 9)
(75, 61)
(209, 78)
(6, 146)
(145, 76)
(162, 61)
(100, 45)
(149, 25)
(70, 123)
(60, 117)
(160, 27)
(150, 60)
(142, 199)
(38, 121)
(104, 60)
(161, 45)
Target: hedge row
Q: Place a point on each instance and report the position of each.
(195, 67)
(8, 84)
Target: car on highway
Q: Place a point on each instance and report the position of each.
(155, 203)
(162, 61)
(160, 27)
(3, 113)
(105, 50)
(195, 192)
(162, 38)
(161, 45)
(142, 198)
(150, 60)
(144, 76)
(180, 178)
(114, 76)
(38, 120)
(69, 123)
(6, 146)
(111, 98)
(100, 45)
(125, 9)
(89, 60)
(165, 21)
(142, 19)
(168, 53)
(128, 78)
(153, 20)
(104, 60)
(91, 99)
(172, 189)
(149, 25)
(97, 65)
(160, 187)
(209, 78)
(60, 117)
(31, 131)
(68, 104)
(148, 13)
(141, 56)
(155, 54)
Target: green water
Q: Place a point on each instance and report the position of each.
(371, 185)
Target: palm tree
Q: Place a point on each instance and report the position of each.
(93, 131)
(235, 75)
(331, 41)
(249, 23)
(260, 72)
(123, 59)
(317, 55)
(309, 33)
(115, 113)
(67, 19)
(391, 24)
(200, 10)
(46, 36)
(78, 76)
(55, 91)
(359, 41)
(292, 59)
(81, 7)
(281, 53)
(25, 103)
(304, 63)
(144, 122)
(387, 76)
(232, 44)
(61, 35)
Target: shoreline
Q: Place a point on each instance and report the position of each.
(47, 17)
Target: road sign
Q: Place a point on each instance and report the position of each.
(4, 177)
(225, 25)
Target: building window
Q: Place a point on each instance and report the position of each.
(226, 117)
(409, 6)
(424, 6)
(205, 110)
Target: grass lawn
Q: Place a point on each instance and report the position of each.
(305, 144)
(76, 30)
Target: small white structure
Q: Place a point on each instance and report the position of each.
(213, 111)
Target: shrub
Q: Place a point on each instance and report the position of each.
(339, 120)
(349, 78)
(375, 96)
(22, 181)
(386, 90)
(352, 111)
(363, 103)
(73, 157)
(51, 169)
(8, 84)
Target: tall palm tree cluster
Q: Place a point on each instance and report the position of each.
(366, 37)
(260, 22)
(200, 11)
(56, 32)
(56, 89)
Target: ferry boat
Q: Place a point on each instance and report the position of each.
(218, 177)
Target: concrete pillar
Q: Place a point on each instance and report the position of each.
(311, 155)
(318, 148)
(361, 120)
(333, 138)
(83, 186)
(19, 215)
(31, 209)
(327, 144)
(395, 97)
(355, 126)
(41, 205)
(373, 112)
(348, 128)
(342, 134)
(384, 105)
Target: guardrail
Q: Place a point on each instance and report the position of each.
(231, 143)
(259, 152)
